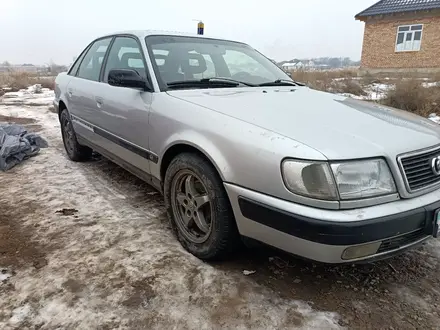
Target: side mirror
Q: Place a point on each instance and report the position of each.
(127, 78)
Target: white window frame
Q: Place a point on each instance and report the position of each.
(410, 45)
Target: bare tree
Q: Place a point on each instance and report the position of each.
(7, 65)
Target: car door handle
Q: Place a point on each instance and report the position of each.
(70, 92)
(99, 101)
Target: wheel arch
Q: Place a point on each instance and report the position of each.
(61, 106)
(179, 147)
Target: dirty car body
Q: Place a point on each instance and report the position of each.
(318, 175)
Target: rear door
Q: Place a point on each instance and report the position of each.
(124, 111)
(83, 88)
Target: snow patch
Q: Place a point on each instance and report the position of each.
(434, 117)
(374, 92)
(434, 248)
(33, 96)
(431, 84)
(248, 272)
(20, 314)
(412, 298)
(4, 275)
(35, 89)
(377, 91)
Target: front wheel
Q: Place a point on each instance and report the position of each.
(198, 208)
(74, 150)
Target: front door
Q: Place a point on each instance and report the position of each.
(83, 88)
(124, 111)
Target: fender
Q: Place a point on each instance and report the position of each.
(204, 145)
(62, 83)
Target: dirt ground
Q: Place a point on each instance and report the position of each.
(88, 246)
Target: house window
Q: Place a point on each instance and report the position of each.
(409, 38)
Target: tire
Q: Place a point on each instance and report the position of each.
(74, 150)
(181, 200)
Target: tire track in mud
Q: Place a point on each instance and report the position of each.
(17, 246)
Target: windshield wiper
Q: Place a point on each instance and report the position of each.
(229, 80)
(213, 82)
(281, 82)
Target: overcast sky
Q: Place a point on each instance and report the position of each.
(37, 31)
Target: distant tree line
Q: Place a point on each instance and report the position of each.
(51, 67)
(331, 62)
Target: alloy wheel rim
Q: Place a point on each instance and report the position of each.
(192, 206)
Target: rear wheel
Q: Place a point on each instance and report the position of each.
(74, 150)
(198, 207)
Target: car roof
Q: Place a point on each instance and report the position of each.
(145, 33)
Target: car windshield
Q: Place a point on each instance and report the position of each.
(178, 59)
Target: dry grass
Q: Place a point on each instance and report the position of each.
(20, 80)
(322, 80)
(368, 79)
(435, 77)
(411, 95)
(350, 86)
(337, 81)
(304, 75)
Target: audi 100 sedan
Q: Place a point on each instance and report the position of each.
(240, 150)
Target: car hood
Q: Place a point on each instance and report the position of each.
(337, 126)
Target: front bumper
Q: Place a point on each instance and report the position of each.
(324, 235)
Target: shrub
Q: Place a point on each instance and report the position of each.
(410, 95)
(319, 80)
(351, 86)
(21, 80)
(435, 77)
(340, 81)
(15, 80)
(46, 82)
(369, 79)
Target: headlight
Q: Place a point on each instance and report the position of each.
(363, 179)
(311, 179)
(344, 181)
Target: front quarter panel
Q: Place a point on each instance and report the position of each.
(243, 153)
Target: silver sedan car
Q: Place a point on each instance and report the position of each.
(240, 150)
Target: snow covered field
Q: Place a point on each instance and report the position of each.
(87, 246)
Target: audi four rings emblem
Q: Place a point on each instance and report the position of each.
(435, 165)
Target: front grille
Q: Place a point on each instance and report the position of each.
(399, 241)
(417, 170)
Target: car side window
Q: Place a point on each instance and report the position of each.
(74, 68)
(125, 53)
(91, 64)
